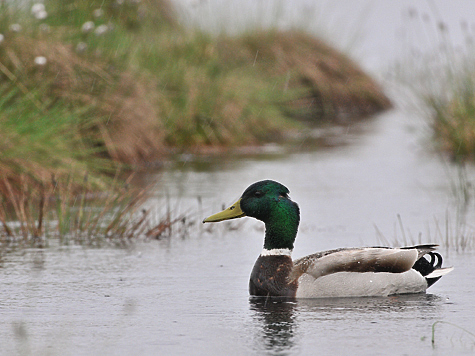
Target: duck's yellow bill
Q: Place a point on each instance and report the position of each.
(233, 212)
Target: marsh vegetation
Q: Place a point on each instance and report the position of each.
(442, 78)
(88, 88)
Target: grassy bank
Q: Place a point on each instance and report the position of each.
(88, 86)
(135, 84)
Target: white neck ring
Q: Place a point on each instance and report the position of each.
(276, 252)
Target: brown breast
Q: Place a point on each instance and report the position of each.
(270, 277)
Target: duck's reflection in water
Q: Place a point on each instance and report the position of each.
(280, 322)
(276, 317)
(402, 306)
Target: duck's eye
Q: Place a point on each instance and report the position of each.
(258, 194)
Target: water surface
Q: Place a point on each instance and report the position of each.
(187, 294)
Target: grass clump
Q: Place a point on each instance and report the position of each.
(454, 120)
(326, 84)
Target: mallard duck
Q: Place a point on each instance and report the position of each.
(343, 272)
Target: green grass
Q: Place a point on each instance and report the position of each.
(37, 142)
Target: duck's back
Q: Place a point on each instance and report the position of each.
(370, 271)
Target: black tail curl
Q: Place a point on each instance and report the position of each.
(426, 267)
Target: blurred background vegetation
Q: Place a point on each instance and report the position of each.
(88, 89)
(86, 85)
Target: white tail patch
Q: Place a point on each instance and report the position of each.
(440, 272)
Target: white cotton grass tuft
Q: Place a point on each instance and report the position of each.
(100, 30)
(38, 10)
(2, 37)
(41, 15)
(81, 47)
(87, 26)
(15, 27)
(40, 60)
(98, 13)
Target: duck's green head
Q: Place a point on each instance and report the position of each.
(269, 202)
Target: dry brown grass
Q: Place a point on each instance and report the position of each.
(336, 87)
(35, 215)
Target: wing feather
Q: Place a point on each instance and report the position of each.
(371, 259)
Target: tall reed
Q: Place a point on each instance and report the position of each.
(65, 212)
(452, 233)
